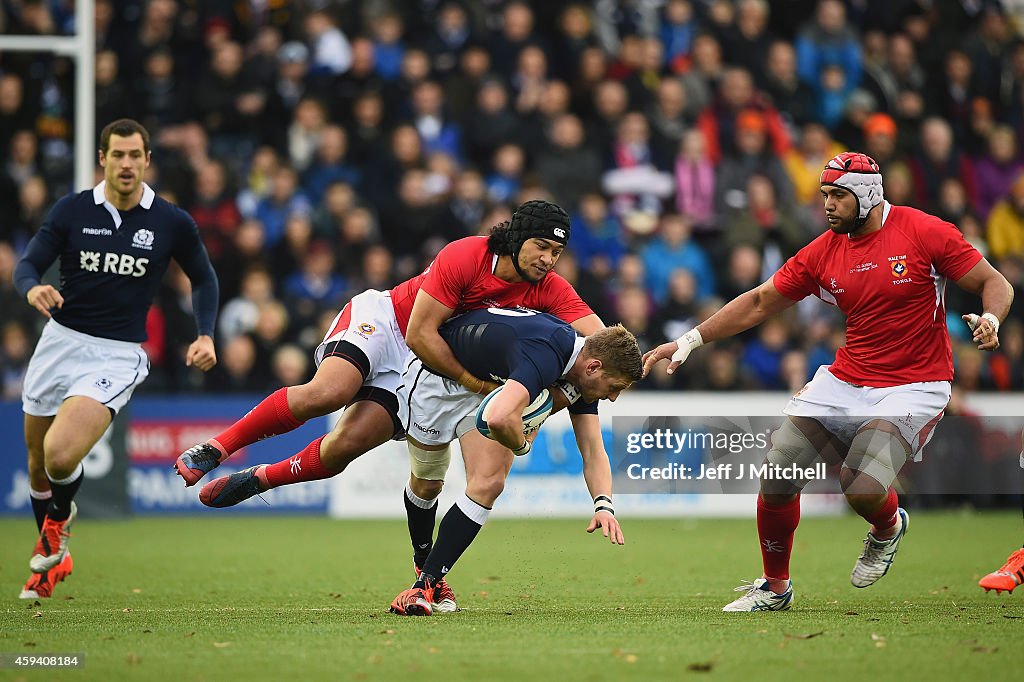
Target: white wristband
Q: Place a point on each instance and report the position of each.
(685, 345)
(604, 503)
(691, 338)
(522, 449)
(973, 321)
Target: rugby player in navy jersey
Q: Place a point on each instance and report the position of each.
(360, 361)
(528, 351)
(114, 243)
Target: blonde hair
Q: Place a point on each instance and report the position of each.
(618, 352)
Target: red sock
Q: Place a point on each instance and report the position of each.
(884, 517)
(302, 466)
(775, 528)
(270, 418)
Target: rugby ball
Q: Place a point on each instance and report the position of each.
(533, 416)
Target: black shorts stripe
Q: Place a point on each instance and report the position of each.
(387, 400)
(348, 351)
(408, 401)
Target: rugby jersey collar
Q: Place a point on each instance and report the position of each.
(148, 195)
(886, 207)
(577, 347)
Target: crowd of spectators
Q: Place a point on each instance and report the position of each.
(324, 147)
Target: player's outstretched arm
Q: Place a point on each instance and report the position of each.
(738, 315)
(597, 472)
(423, 339)
(996, 296)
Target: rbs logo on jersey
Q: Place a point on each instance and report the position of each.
(113, 263)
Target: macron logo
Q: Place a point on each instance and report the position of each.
(295, 464)
(426, 430)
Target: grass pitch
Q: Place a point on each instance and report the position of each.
(293, 598)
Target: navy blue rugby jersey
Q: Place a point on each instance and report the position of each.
(112, 262)
(535, 349)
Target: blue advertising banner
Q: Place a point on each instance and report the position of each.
(157, 431)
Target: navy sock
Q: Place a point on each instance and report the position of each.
(40, 502)
(421, 515)
(63, 492)
(458, 530)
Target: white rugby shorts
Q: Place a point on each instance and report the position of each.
(435, 410)
(68, 363)
(368, 322)
(842, 408)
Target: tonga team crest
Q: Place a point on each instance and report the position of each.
(898, 266)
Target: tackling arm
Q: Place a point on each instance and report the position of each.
(585, 326)
(738, 315)
(743, 312)
(422, 338)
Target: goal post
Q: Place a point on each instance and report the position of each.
(81, 47)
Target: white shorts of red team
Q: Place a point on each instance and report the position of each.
(843, 408)
(435, 410)
(69, 363)
(368, 322)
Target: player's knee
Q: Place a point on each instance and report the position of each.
(425, 489)
(790, 447)
(874, 459)
(863, 492)
(858, 483)
(486, 489)
(61, 459)
(428, 466)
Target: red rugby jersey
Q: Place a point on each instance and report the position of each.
(462, 278)
(891, 286)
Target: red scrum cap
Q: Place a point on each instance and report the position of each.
(858, 174)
